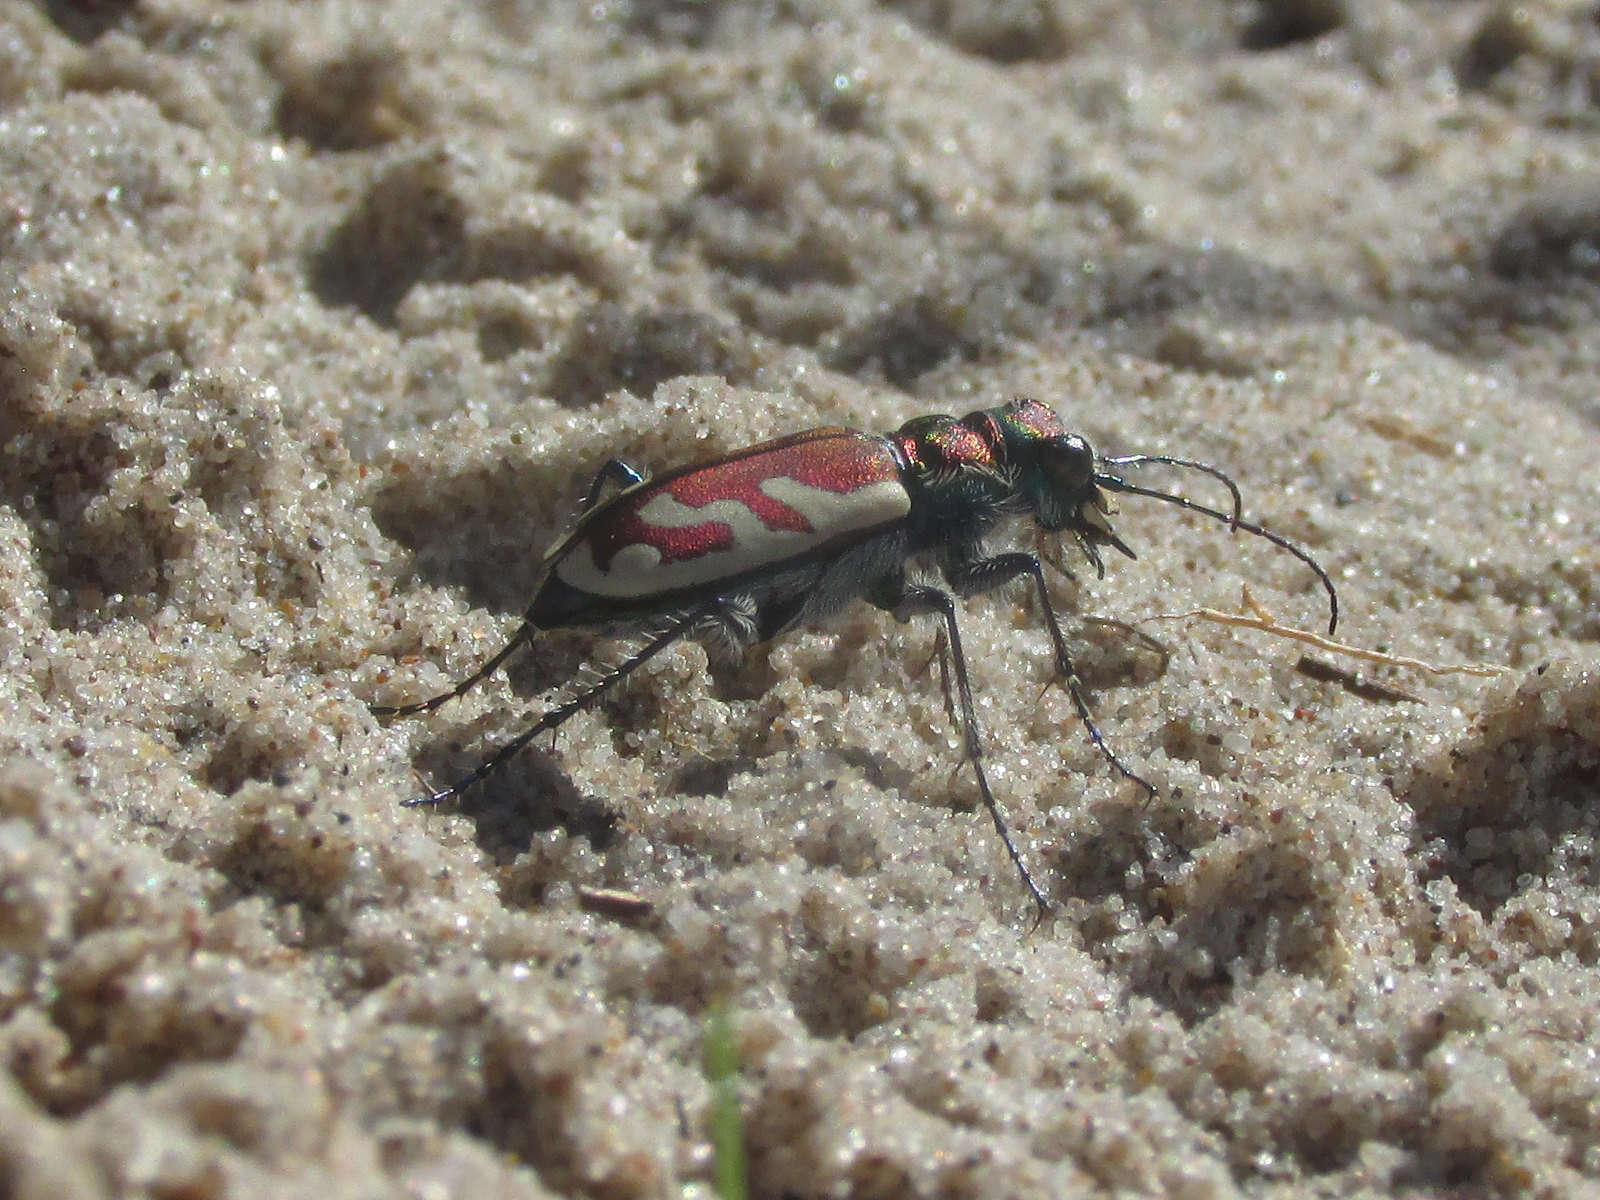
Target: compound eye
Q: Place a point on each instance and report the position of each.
(1070, 462)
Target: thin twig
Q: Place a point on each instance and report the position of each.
(1259, 618)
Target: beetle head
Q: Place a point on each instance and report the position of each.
(1069, 487)
(1058, 479)
(1057, 476)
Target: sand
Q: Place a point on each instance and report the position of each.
(319, 317)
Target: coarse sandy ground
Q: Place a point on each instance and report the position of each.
(319, 316)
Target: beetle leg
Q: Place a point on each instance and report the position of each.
(986, 574)
(942, 656)
(615, 476)
(559, 715)
(460, 689)
(727, 627)
(916, 600)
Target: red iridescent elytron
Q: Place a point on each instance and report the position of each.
(786, 533)
(793, 497)
(835, 462)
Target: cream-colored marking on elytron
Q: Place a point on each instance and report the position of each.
(637, 570)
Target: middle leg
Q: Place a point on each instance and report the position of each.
(914, 600)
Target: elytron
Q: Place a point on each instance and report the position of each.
(786, 533)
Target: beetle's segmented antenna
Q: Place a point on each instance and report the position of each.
(1190, 464)
(1113, 484)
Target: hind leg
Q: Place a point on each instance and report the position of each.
(678, 629)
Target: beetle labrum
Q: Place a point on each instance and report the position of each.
(786, 533)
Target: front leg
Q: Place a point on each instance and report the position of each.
(914, 600)
(970, 576)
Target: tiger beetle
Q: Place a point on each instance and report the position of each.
(745, 547)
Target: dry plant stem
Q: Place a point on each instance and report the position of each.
(1259, 618)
